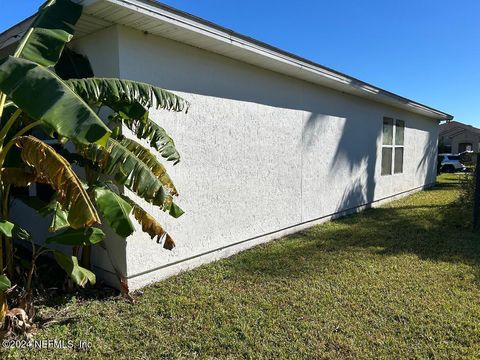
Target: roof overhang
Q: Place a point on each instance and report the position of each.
(158, 19)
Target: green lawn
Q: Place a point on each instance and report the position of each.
(401, 281)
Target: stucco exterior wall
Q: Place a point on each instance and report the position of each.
(263, 154)
(453, 134)
(465, 137)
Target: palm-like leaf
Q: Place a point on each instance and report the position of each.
(151, 226)
(130, 97)
(73, 65)
(49, 167)
(78, 274)
(147, 158)
(43, 96)
(12, 230)
(138, 169)
(20, 177)
(51, 29)
(78, 237)
(115, 210)
(5, 284)
(59, 218)
(156, 135)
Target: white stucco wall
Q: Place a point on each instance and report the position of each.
(263, 154)
(465, 137)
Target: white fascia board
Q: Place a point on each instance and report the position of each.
(314, 72)
(228, 37)
(324, 76)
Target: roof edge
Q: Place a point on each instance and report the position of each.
(270, 50)
(358, 86)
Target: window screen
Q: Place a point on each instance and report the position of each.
(399, 132)
(398, 166)
(387, 131)
(386, 161)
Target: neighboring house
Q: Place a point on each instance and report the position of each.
(272, 144)
(456, 137)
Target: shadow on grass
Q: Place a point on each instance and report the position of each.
(433, 232)
(447, 186)
(51, 287)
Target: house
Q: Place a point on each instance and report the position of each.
(456, 137)
(272, 144)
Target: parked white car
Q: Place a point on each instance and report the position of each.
(450, 163)
(467, 157)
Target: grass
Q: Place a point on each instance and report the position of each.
(401, 281)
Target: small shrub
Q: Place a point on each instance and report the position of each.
(467, 188)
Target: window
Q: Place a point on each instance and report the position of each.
(465, 147)
(386, 160)
(393, 146)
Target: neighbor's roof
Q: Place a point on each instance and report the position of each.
(162, 20)
(454, 128)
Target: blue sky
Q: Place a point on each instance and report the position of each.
(426, 50)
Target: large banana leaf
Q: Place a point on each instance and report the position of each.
(12, 230)
(5, 283)
(130, 97)
(115, 210)
(72, 65)
(149, 160)
(59, 218)
(53, 169)
(51, 30)
(79, 237)
(79, 275)
(157, 136)
(43, 96)
(135, 167)
(151, 226)
(20, 177)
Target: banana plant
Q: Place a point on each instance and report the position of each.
(33, 96)
(124, 161)
(36, 96)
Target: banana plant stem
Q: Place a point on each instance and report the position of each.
(3, 98)
(8, 125)
(8, 240)
(23, 43)
(1, 254)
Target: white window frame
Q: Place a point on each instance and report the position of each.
(393, 146)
